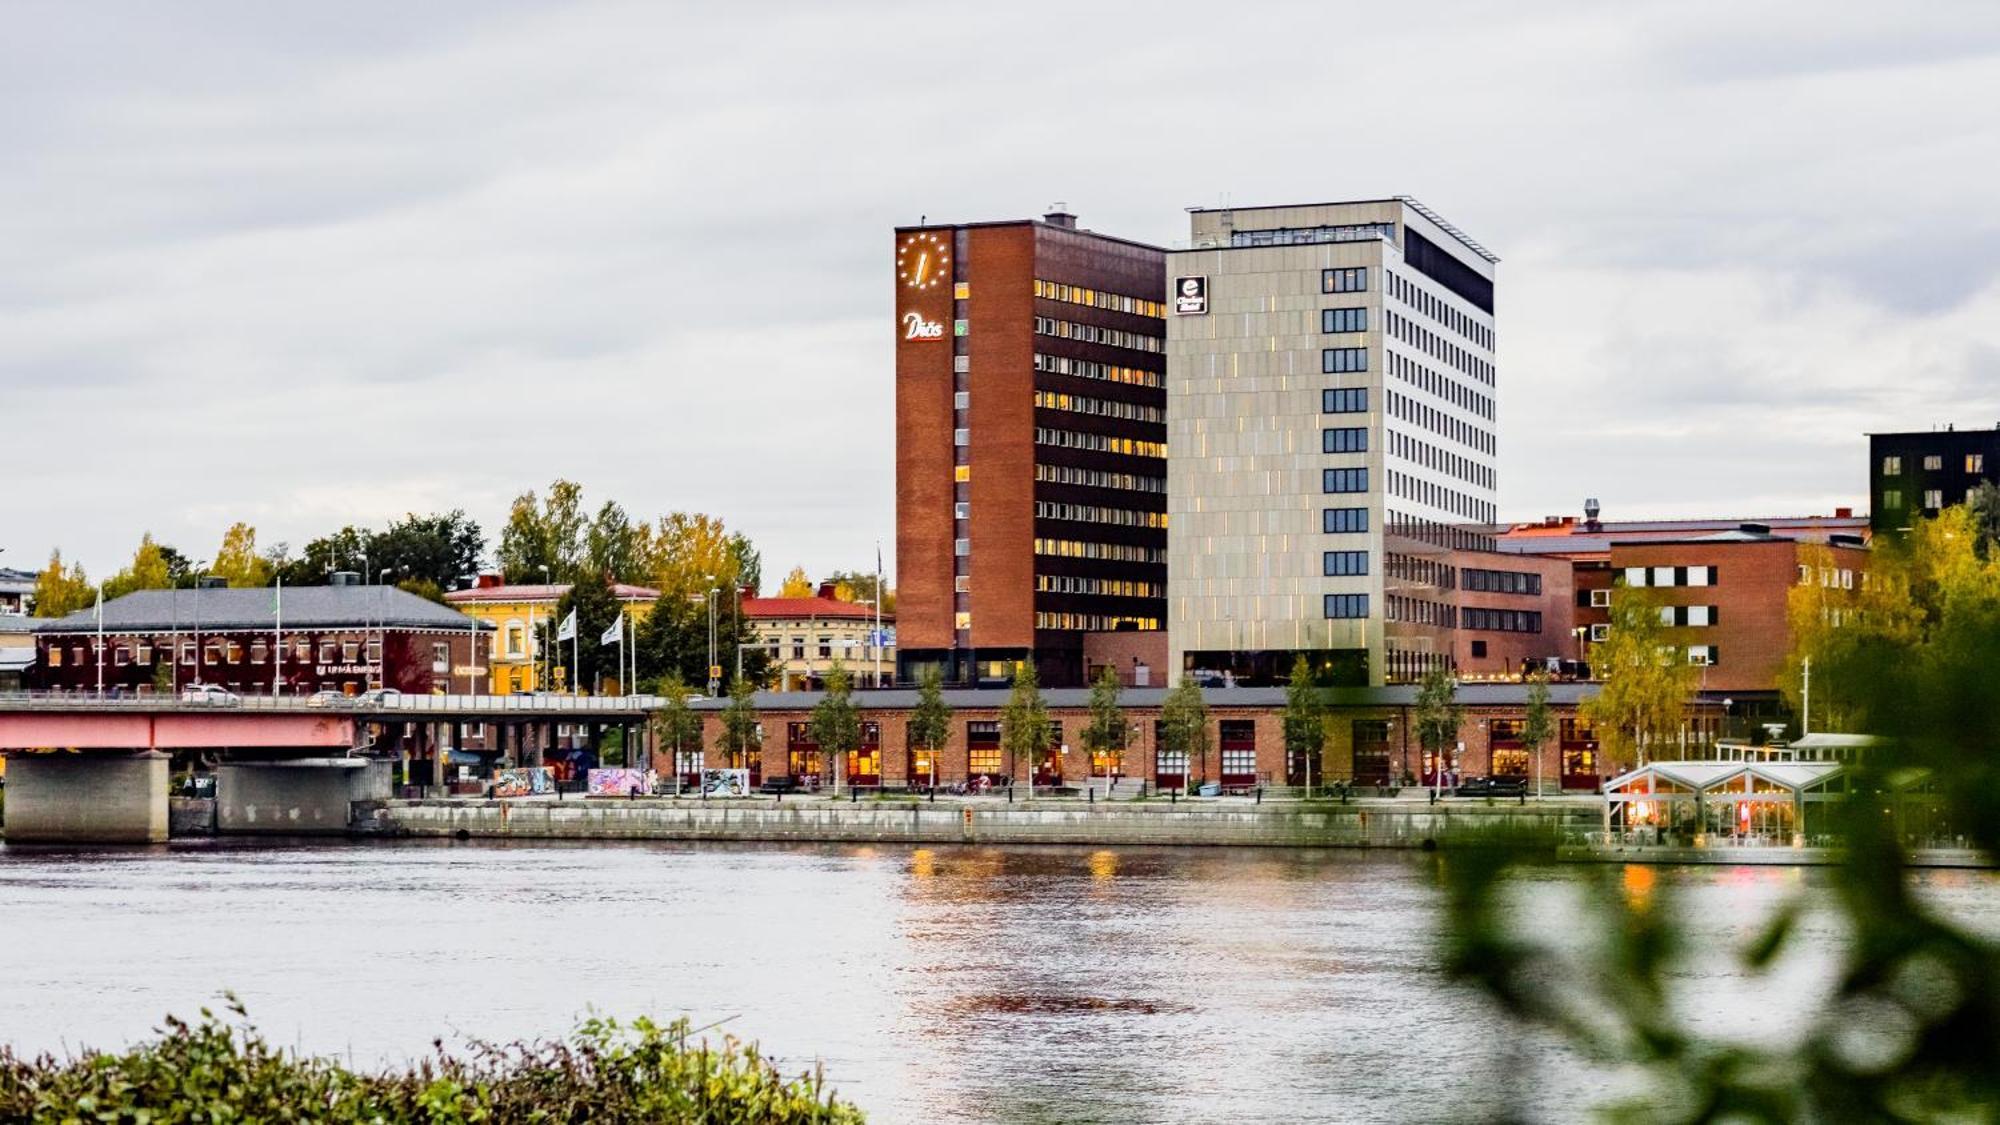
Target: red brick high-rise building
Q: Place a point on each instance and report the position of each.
(1030, 445)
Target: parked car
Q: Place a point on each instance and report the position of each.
(379, 697)
(214, 694)
(326, 699)
(1492, 787)
(779, 785)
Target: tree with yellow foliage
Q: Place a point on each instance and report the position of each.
(796, 584)
(149, 570)
(60, 591)
(1648, 682)
(237, 561)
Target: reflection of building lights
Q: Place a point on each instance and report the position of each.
(1103, 865)
(923, 863)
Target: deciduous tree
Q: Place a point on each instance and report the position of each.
(741, 730)
(1184, 726)
(930, 720)
(147, 571)
(675, 724)
(796, 584)
(1538, 723)
(1438, 715)
(1648, 682)
(544, 533)
(1105, 732)
(1305, 715)
(692, 552)
(60, 591)
(836, 722)
(237, 561)
(590, 597)
(1024, 722)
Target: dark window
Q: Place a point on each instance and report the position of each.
(1341, 361)
(1342, 564)
(1346, 606)
(1353, 439)
(1438, 264)
(1344, 520)
(1344, 400)
(1344, 480)
(1344, 281)
(1343, 320)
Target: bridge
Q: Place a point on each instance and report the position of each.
(84, 768)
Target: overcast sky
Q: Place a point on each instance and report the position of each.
(307, 265)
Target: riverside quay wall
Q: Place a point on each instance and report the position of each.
(1221, 821)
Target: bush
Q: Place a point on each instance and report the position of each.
(213, 1070)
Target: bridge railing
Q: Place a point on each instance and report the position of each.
(540, 703)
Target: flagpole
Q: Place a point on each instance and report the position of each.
(100, 640)
(877, 638)
(278, 640)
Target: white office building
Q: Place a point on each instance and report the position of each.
(1331, 435)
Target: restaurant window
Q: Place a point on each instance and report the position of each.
(235, 649)
(260, 653)
(55, 656)
(982, 747)
(350, 652)
(212, 652)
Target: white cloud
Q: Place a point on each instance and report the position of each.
(317, 266)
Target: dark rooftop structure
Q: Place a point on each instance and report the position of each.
(304, 607)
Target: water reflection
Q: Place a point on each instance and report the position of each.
(938, 984)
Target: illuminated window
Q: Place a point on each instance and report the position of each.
(55, 656)
(961, 473)
(961, 290)
(962, 620)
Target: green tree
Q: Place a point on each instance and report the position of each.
(749, 563)
(1105, 732)
(1024, 722)
(1983, 502)
(1184, 726)
(929, 724)
(1648, 682)
(350, 548)
(673, 639)
(859, 587)
(596, 607)
(741, 734)
(544, 535)
(836, 722)
(1538, 723)
(613, 545)
(237, 561)
(441, 549)
(1305, 716)
(1438, 715)
(675, 724)
(61, 591)
(147, 571)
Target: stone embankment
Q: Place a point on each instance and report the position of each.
(1217, 821)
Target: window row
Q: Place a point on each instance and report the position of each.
(1934, 462)
(1103, 372)
(1104, 587)
(1417, 611)
(1099, 299)
(1420, 452)
(1096, 334)
(1115, 552)
(1499, 620)
(1343, 361)
(1343, 320)
(1437, 347)
(1670, 576)
(1099, 443)
(1095, 622)
(1933, 499)
(1098, 478)
(1351, 280)
(1438, 422)
(1346, 439)
(1439, 496)
(1408, 525)
(1106, 408)
(1502, 581)
(1343, 480)
(221, 652)
(1422, 571)
(1344, 564)
(1342, 607)
(1439, 310)
(1306, 236)
(1444, 387)
(1344, 400)
(1831, 578)
(1695, 616)
(1344, 521)
(1092, 513)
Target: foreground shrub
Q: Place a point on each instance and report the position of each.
(218, 1071)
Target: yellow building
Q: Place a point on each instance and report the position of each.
(524, 627)
(806, 636)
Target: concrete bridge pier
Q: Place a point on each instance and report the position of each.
(94, 798)
(299, 796)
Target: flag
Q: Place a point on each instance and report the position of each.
(614, 634)
(567, 630)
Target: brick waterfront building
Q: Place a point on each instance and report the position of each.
(1371, 740)
(1030, 446)
(345, 638)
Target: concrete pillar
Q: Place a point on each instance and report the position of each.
(306, 795)
(88, 798)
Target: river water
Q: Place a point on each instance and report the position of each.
(934, 984)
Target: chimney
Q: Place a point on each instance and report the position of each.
(1059, 216)
(1590, 510)
(344, 578)
(212, 582)
(1843, 513)
(826, 589)
(487, 581)
(1754, 528)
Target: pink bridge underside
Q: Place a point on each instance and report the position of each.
(47, 731)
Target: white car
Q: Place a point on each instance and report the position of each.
(208, 693)
(326, 699)
(380, 697)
